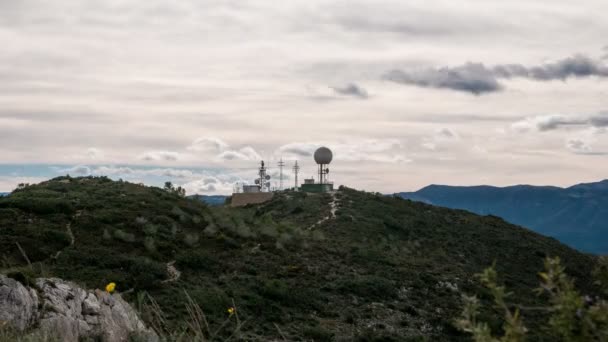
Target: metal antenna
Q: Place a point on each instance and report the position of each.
(281, 164)
(296, 169)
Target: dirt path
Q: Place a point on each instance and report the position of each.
(68, 228)
(333, 205)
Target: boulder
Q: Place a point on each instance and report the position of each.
(55, 307)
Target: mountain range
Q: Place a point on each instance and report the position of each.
(576, 215)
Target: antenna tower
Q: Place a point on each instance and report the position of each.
(281, 164)
(296, 169)
(264, 179)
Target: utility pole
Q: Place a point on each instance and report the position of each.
(296, 169)
(281, 164)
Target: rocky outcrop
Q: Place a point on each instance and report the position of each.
(59, 308)
(18, 304)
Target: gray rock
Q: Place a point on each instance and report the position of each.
(69, 312)
(18, 304)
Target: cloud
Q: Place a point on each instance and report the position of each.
(94, 153)
(473, 78)
(578, 146)
(301, 149)
(351, 90)
(246, 153)
(477, 79)
(208, 185)
(442, 136)
(552, 122)
(446, 133)
(576, 66)
(78, 170)
(159, 156)
(208, 145)
(377, 150)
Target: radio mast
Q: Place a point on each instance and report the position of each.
(281, 164)
(296, 169)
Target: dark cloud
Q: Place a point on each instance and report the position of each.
(576, 66)
(600, 120)
(553, 122)
(473, 78)
(351, 90)
(476, 78)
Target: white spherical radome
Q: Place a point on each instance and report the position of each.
(323, 155)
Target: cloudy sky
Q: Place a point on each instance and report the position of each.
(406, 93)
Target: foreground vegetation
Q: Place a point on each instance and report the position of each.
(382, 269)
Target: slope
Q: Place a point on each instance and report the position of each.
(381, 268)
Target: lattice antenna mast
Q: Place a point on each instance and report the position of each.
(296, 170)
(281, 164)
(263, 180)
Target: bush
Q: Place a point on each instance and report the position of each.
(124, 236)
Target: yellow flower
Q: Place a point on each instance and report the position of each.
(110, 287)
(231, 310)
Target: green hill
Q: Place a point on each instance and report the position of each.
(344, 266)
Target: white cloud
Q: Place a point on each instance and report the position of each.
(208, 145)
(377, 150)
(208, 185)
(94, 153)
(246, 153)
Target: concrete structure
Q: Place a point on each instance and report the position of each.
(251, 188)
(317, 187)
(242, 199)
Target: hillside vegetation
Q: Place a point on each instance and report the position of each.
(323, 267)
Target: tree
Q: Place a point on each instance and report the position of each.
(169, 187)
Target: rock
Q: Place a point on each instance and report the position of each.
(69, 312)
(91, 306)
(18, 304)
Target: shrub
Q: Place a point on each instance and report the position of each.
(124, 236)
(572, 317)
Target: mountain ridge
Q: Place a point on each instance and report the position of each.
(376, 268)
(575, 214)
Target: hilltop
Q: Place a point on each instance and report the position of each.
(577, 215)
(343, 266)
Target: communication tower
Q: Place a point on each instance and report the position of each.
(296, 170)
(263, 179)
(281, 164)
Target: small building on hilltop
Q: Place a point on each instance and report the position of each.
(256, 193)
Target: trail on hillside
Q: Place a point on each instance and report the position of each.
(68, 228)
(333, 205)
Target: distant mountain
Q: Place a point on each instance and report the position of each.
(577, 216)
(2, 194)
(212, 200)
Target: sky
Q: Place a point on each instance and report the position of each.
(405, 93)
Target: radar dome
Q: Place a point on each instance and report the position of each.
(323, 155)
